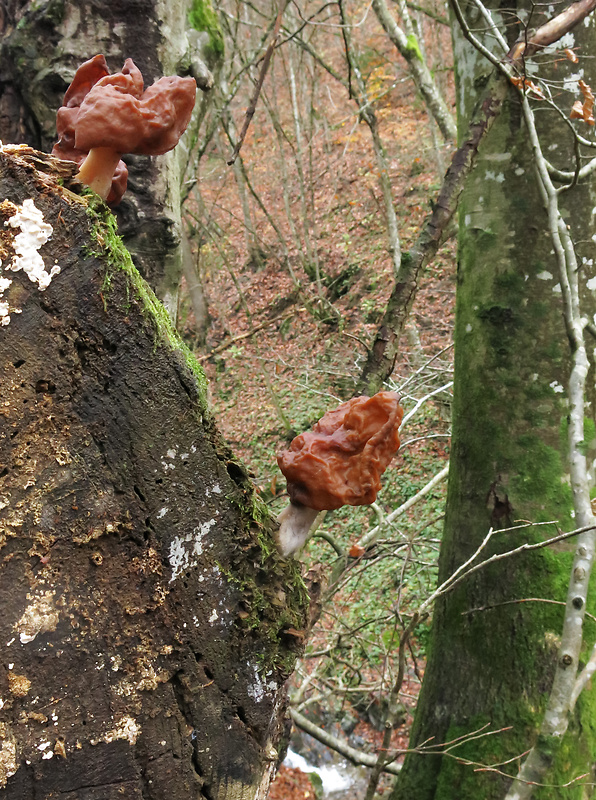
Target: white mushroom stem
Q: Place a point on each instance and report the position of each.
(295, 522)
(97, 170)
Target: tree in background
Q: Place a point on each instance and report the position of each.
(497, 640)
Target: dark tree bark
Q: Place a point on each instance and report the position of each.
(148, 625)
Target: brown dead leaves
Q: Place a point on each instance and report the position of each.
(584, 110)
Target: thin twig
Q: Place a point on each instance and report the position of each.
(252, 106)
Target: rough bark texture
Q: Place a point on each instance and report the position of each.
(42, 44)
(146, 626)
(495, 666)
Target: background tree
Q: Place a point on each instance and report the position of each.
(495, 640)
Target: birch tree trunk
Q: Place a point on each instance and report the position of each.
(148, 625)
(495, 640)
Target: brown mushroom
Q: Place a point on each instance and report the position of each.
(86, 76)
(339, 462)
(106, 115)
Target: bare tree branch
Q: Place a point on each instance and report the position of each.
(252, 106)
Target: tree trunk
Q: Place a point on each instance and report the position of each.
(148, 625)
(492, 655)
(41, 46)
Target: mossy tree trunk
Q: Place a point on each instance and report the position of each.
(41, 46)
(492, 656)
(148, 626)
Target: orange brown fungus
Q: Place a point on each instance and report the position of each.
(107, 115)
(87, 75)
(340, 462)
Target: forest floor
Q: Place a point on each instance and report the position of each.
(277, 356)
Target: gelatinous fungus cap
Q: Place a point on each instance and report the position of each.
(341, 460)
(107, 115)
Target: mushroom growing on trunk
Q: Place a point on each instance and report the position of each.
(339, 462)
(105, 115)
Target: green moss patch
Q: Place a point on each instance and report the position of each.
(117, 258)
(202, 17)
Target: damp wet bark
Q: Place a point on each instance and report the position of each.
(148, 625)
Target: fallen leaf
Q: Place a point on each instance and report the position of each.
(356, 551)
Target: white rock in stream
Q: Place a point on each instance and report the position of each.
(332, 778)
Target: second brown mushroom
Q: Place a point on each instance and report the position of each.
(339, 462)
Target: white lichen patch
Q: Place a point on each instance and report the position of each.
(222, 615)
(571, 82)
(39, 617)
(260, 687)
(566, 41)
(185, 550)
(499, 177)
(126, 728)
(497, 157)
(34, 232)
(171, 455)
(8, 754)
(4, 307)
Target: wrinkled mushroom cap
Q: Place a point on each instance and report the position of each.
(112, 111)
(118, 114)
(86, 76)
(341, 460)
